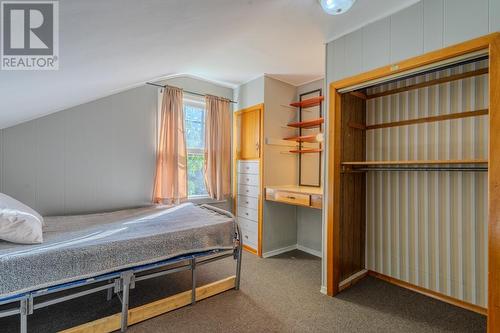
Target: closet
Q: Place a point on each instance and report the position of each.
(410, 196)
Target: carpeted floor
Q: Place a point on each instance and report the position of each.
(279, 294)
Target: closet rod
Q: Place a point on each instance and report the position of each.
(187, 91)
(463, 169)
(456, 77)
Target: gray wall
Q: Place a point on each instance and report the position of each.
(426, 26)
(249, 94)
(94, 157)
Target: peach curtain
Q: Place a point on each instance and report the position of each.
(170, 186)
(217, 147)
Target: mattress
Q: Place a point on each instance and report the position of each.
(85, 246)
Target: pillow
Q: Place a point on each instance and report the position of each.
(18, 222)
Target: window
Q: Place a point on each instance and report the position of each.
(194, 118)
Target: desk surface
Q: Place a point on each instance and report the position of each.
(298, 189)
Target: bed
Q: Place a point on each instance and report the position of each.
(112, 251)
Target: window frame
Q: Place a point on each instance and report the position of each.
(198, 102)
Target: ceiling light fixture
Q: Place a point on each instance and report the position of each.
(336, 7)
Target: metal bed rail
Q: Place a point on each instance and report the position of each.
(122, 281)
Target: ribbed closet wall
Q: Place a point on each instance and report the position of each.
(430, 228)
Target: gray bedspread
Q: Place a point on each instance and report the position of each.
(84, 246)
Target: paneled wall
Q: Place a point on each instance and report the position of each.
(430, 228)
(93, 157)
(425, 26)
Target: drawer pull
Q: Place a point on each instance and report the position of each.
(248, 191)
(246, 202)
(246, 236)
(248, 179)
(291, 197)
(246, 213)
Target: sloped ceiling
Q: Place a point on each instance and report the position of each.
(108, 46)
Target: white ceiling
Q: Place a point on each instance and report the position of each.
(111, 45)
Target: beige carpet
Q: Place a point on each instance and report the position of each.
(279, 294)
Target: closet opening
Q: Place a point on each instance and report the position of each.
(412, 182)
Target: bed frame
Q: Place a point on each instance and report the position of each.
(120, 283)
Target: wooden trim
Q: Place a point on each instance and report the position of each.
(352, 280)
(250, 249)
(494, 190)
(356, 125)
(333, 188)
(363, 163)
(260, 108)
(449, 52)
(430, 293)
(450, 78)
(429, 119)
(154, 309)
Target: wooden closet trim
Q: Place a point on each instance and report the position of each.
(489, 42)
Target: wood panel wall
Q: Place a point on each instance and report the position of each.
(353, 189)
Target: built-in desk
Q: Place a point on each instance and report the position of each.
(296, 195)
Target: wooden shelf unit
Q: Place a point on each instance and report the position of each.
(302, 138)
(307, 124)
(308, 103)
(306, 151)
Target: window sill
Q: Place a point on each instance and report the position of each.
(200, 200)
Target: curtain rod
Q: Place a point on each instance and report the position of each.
(187, 91)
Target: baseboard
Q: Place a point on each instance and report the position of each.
(291, 248)
(279, 251)
(310, 251)
(431, 293)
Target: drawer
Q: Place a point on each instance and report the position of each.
(249, 237)
(248, 225)
(292, 198)
(248, 179)
(248, 167)
(317, 201)
(248, 202)
(249, 213)
(248, 190)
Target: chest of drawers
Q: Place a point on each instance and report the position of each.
(247, 202)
